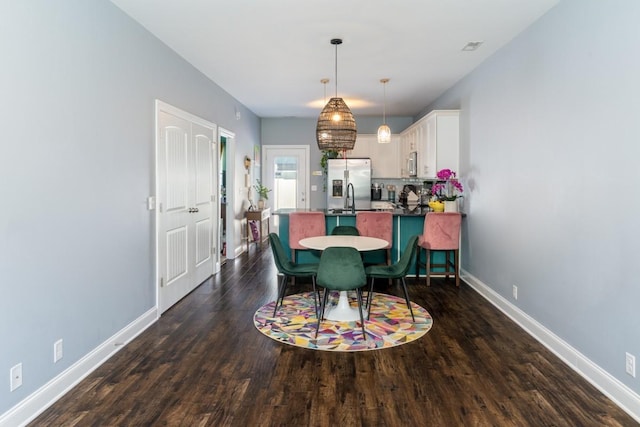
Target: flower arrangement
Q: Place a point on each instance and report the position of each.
(448, 188)
(262, 191)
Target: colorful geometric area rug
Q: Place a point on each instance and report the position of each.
(390, 324)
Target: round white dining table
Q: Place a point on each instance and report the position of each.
(343, 310)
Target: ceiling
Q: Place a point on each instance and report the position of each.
(272, 55)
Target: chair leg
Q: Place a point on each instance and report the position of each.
(293, 258)
(315, 295)
(370, 298)
(406, 297)
(418, 252)
(321, 314)
(281, 291)
(388, 257)
(359, 294)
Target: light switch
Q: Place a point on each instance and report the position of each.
(314, 188)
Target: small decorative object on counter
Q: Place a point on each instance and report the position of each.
(391, 193)
(447, 190)
(437, 206)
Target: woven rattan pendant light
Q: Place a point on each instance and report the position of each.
(384, 131)
(336, 128)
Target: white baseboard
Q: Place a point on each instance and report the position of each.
(610, 386)
(34, 404)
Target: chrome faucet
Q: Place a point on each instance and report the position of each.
(353, 199)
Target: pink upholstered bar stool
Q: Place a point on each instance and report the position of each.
(377, 224)
(441, 232)
(303, 225)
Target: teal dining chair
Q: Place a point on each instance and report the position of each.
(396, 271)
(341, 269)
(345, 230)
(288, 268)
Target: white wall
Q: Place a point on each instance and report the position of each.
(550, 149)
(78, 82)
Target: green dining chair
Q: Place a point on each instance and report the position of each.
(288, 268)
(345, 230)
(341, 269)
(395, 271)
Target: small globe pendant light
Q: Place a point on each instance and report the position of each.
(336, 127)
(384, 132)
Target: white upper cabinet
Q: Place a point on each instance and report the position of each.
(384, 157)
(361, 147)
(436, 139)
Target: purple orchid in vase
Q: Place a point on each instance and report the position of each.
(448, 188)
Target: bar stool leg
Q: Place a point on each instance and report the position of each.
(428, 267)
(456, 261)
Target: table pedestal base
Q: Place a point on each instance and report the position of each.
(343, 310)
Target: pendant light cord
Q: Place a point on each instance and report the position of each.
(384, 99)
(336, 69)
(336, 42)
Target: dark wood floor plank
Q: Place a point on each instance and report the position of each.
(204, 364)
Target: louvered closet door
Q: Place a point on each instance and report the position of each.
(185, 229)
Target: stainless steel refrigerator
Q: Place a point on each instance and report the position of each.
(341, 173)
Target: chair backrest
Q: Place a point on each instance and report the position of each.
(345, 230)
(404, 263)
(341, 269)
(283, 264)
(441, 231)
(305, 224)
(376, 224)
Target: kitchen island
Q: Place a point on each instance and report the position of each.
(406, 223)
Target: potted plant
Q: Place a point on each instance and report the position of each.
(447, 190)
(324, 164)
(263, 192)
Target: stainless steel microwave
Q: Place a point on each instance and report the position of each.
(412, 164)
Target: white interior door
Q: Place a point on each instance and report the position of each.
(285, 171)
(206, 215)
(186, 212)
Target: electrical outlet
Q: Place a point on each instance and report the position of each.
(515, 292)
(57, 351)
(630, 364)
(16, 376)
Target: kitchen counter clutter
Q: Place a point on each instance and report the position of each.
(398, 210)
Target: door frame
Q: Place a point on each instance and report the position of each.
(307, 151)
(233, 248)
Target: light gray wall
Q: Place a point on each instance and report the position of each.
(550, 149)
(298, 131)
(78, 82)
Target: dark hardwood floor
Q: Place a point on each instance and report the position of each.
(204, 364)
